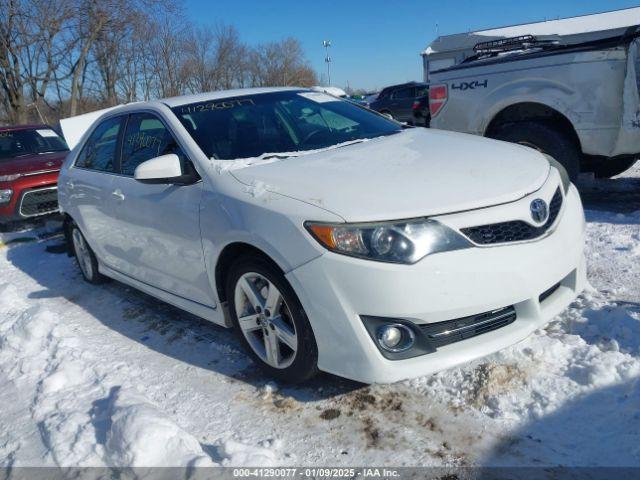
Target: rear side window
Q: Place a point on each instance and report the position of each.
(146, 137)
(99, 152)
(404, 93)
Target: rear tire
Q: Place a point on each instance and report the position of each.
(278, 337)
(85, 258)
(546, 139)
(610, 167)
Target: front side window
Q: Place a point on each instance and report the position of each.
(146, 137)
(36, 141)
(278, 122)
(99, 152)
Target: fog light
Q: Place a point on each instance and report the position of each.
(395, 337)
(5, 195)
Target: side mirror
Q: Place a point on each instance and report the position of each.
(165, 169)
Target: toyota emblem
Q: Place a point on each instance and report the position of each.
(539, 210)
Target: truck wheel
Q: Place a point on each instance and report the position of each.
(610, 167)
(546, 139)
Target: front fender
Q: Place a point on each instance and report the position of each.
(271, 223)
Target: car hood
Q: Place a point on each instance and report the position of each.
(32, 163)
(415, 173)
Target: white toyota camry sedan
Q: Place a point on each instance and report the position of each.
(330, 237)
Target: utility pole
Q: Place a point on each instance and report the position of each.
(326, 44)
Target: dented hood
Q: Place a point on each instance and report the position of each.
(414, 173)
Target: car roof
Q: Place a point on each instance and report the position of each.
(172, 102)
(403, 85)
(203, 97)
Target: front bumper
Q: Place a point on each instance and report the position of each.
(33, 196)
(336, 290)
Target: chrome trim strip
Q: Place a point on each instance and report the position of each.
(475, 325)
(40, 172)
(36, 191)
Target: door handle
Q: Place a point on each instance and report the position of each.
(118, 194)
(70, 185)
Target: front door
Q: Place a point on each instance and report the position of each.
(158, 240)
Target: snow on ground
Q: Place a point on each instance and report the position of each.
(105, 375)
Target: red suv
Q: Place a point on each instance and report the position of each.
(30, 159)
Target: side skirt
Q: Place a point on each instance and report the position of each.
(203, 311)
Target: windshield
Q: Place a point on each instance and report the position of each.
(16, 143)
(280, 122)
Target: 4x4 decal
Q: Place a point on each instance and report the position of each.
(470, 85)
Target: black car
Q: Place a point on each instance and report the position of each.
(397, 101)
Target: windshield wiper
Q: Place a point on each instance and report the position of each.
(281, 156)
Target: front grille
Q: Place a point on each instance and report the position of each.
(39, 202)
(516, 230)
(451, 331)
(547, 293)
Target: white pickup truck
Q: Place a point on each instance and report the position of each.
(573, 94)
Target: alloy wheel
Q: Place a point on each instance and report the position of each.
(265, 320)
(82, 254)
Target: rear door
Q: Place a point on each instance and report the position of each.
(90, 185)
(157, 240)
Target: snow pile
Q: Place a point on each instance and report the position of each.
(141, 436)
(238, 454)
(39, 354)
(81, 424)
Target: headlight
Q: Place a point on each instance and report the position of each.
(394, 242)
(9, 178)
(564, 176)
(5, 195)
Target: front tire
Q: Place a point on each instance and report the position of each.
(85, 258)
(270, 320)
(546, 139)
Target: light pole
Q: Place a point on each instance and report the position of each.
(326, 44)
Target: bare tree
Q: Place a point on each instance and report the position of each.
(281, 64)
(31, 51)
(215, 59)
(62, 57)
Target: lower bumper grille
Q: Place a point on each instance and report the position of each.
(39, 202)
(451, 331)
